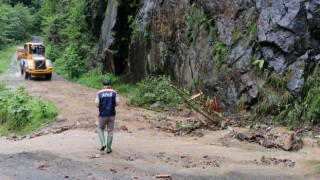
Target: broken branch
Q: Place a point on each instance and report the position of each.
(181, 94)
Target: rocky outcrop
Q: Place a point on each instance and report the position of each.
(212, 45)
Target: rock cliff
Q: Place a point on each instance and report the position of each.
(236, 51)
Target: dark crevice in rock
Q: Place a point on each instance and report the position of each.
(95, 16)
(122, 35)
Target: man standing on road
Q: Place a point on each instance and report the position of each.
(106, 101)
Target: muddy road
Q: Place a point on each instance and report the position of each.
(69, 148)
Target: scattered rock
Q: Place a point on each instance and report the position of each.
(13, 137)
(269, 160)
(60, 130)
(165, 176)
(198, 134)
(41, 165)
(212, 161)
(267, 143)
(129, 158)
(95, 156)
(267, 139)
(124, 128)
(113, 170)
(289, 163)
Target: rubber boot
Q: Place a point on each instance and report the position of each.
(102, 140)
(109, 143)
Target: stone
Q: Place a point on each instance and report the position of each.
(286, 142)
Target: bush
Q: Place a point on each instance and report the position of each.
(155, 93)
(21, 113)
(304, 112)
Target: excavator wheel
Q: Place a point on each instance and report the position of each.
(26, 75)
(48, 76)
(21, 66)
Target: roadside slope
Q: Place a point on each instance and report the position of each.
(69, 148)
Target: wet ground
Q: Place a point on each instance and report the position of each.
(68, 149)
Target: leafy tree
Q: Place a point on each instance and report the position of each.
(21, 21)
(67, 33)
(15, 23)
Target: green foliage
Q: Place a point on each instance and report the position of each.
(246, 36)
(241, 103)
(17, 109)
(5, 57)
(15, 23)
(130, 9)
(195, 19)
(21, 113)
(69, 41)
(277, 81)
(297, 114)
(259, 64)
(286, 98)
(136, 32)
(273, 97)
(94, 78)
(155, 93)
(261, 90)
(237, 34)
(251, 25)
(272, 100)
(220, 52)
(71, 63)
(251, 32)
(187, 125)
(316, 166)
(268, 105)
(52, 52)
(312, 99)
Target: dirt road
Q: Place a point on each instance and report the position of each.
(68, 149)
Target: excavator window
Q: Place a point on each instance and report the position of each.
(34, 49)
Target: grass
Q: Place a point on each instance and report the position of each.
(195, 20)
(220, 52)
(277, 81)
(39, 120)
(94, 78)
(21, 113)
(316, 166)
(241, 103)
(5, 57)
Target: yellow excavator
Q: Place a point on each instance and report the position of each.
(33, 61)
